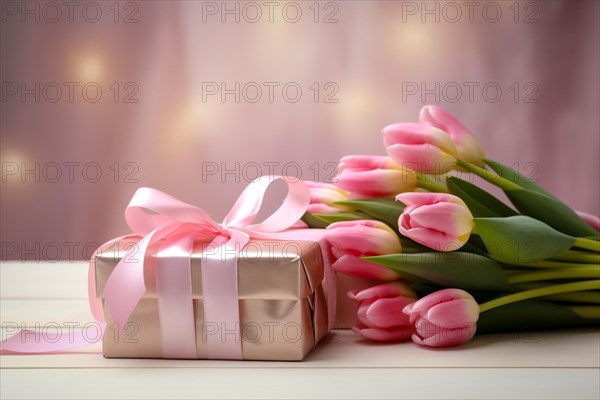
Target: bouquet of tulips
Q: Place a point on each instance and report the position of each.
(454, 259)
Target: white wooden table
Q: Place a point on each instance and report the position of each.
(537, 365)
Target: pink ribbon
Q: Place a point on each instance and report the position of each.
(155, 216)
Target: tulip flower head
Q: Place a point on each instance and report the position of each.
(591, 219)
(444, 318)
(351, 240)
(439, 221)
(374, 176)
(322, 197)
(420, 147)
(468, 148)
(380, 316)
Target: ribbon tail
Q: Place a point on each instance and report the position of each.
(221, 327)
(27, 341)
(175, 303)
(125, 286)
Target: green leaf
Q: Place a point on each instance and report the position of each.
(540, 204)
(550, 210)
(386, 210)
(314, 222)
(515, 177)
(529, 315)
(343, 216)
(480, 202)
(451, 270)
(521, 239)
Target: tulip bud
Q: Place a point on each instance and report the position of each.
(351, 240)
(444, 318)
(591, 219)
(420, 147)
(322, 197)
(468, 148)
(374, 176)
(379, 315)
(439, 221)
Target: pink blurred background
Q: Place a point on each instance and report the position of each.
(533, 68)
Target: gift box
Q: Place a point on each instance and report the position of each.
(282, 305)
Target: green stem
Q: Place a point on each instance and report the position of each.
(578, 257)
(497, 180)
(587, 244)
(590, 296)
(588, 312)
(426, 182)
(580, 272)
(541, 292)
(554, 264)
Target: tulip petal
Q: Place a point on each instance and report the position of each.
(417, 133)
(387, 313)
(450, 337)
(425, 328)
(438, 297)
(377, 182)
(433, 239)
(417, 339)
(362, 239)
(452, 219)
(391, 289)
(426, 198)
(453, 313)
(366, 162)
(591, 219)
(442, 119)
(361, 313)
(322, 208)
(425, 158)
(469, 148)
(352, 265)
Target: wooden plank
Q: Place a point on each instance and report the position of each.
(288, 383)
(44, 312)
(344, 349)
(60, 280)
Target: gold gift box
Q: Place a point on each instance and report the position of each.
(281, 297)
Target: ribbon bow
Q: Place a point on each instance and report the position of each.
(156, 216)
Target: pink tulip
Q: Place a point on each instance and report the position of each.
(444, 318)
(420, 147)
(380, 316)
(591, 219)
(374, 176)
(351, 240)
(468, 148)
(322, 197)
(439, 221)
